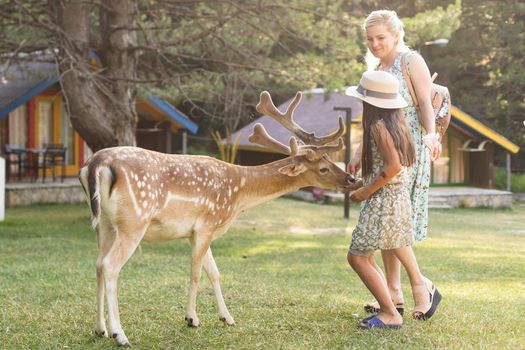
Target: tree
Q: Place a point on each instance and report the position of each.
(100, 96)
(487, 78)
(213, 56)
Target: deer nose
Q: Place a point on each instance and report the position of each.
(350, 178)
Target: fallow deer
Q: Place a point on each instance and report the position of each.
(135, 194)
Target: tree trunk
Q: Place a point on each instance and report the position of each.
(99, 86)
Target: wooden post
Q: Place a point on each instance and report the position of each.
(348, 127)
(167, 132)
(508, 171)
(2, 188)
(184, 142)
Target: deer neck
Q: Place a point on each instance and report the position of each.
(264, 183)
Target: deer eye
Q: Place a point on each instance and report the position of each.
(324, 170)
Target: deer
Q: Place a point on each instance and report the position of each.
(137, 195)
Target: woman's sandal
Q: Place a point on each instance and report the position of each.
(426, 310)
(375, 322)
(374, 307)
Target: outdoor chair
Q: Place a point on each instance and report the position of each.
(54, 156)
(16, 160)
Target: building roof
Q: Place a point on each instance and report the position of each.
(174, 114)
(315, 114)
(25, 80)
(480, 130)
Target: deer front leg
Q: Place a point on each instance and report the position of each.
(213, 274)
(199, 246)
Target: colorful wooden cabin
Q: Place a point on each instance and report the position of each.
(468, 147)
(33, 114)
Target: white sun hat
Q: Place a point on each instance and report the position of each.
(378, 88)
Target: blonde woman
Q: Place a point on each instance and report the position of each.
(386, 47)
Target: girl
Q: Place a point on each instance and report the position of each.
(385, 220)
(386, 45)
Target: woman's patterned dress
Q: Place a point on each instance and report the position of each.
(385, 220)
(419, 174)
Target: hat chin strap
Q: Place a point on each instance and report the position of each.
(371, 93)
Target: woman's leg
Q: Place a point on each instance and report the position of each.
(393, 275)
(376, 284)
(406, 257)
(422, 288)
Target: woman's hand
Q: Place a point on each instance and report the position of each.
(432, 142)
(360, 195)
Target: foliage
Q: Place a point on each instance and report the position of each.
(284, 277)
(433, 24)
(487, 78)
(282, 46)
(404, 8)
(517, 180)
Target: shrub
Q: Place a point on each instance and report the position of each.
(517, 180)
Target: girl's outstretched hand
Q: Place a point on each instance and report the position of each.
(359, 195)
(354, 165)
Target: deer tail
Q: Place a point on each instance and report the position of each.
(97, 181)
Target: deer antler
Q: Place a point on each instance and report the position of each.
(330, 148)
(316, 152)
(261, 137)
(266, 106)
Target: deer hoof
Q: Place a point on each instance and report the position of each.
(191, 322)
(228, 321)
(121, 339)
(101, 333)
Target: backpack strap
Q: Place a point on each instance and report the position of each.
(406, 76)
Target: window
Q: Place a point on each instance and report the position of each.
(18, 126)
(45, 122)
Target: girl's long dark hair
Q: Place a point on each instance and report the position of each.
(395, 124)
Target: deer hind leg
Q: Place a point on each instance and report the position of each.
(121, 250)
(199, 247)
(105, 238)
(213, 274)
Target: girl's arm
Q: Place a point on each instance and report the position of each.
(392, 164)
(422, 83)
(355, 163)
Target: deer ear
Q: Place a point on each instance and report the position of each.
(292, 169)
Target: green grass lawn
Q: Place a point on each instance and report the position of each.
(284, 277)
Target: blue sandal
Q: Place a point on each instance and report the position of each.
(366, 319)
(375, 322)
